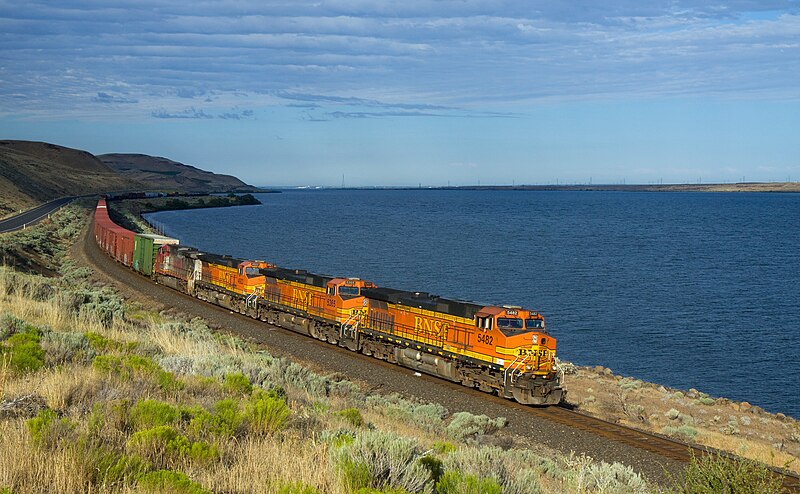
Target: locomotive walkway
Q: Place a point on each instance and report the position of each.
(541, 429)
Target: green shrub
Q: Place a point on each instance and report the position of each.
(443, 447)
(352, 416)
(614, 478)
(26, 352)
(99, 342)
(71, 274)
(203, 452)
(338, 438)
(381, 460)
(630, 383)
(163, 445)
(238, 384)
(453, 482)
(434, 466)
(465, 426)
(101, 304)
(267, 413)
(147, 414)
(526, 481)
(175, 204)
(63, 347)
(108, 364)
(684, 431)
(225, 421)
(386, 490)
(47, 429)
(10, 324)
(354, 475)
(172, 482)
(549, 468)
(483, 462)
(112, 469)
(228, 417)
(713, 474)
(297, 488)
(427, 416)
(129, 366)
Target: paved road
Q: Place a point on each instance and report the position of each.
(33, 215)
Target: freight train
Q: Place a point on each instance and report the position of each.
(498, 349)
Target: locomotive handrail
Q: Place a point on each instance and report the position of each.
(251, 299)
(515, 369)
(347, 326)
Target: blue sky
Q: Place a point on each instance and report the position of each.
(415, 92)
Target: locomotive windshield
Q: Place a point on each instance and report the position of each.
(509, 323)
(348, 290)
(534, 323)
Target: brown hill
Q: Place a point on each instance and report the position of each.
(36, 172)
(164, 174)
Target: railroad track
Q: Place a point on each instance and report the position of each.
(655, 444)
(660, 445)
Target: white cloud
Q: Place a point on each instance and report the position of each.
(79, 54)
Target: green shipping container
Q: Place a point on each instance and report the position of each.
(145, 248)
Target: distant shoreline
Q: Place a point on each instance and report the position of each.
(779, 187)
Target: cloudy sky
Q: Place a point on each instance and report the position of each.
(416, 92)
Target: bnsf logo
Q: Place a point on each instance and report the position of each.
(300, 296)
(429, 325)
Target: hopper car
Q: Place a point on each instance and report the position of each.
(504, 350)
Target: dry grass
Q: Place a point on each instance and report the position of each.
(19, 292)
(173, 343)
(55, 385)
(261, 465)
(750, 449)
(26, 469)
(5, 363)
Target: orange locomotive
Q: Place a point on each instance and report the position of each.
(504, 350)
(496, 349)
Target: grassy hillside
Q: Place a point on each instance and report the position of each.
(164, 174)
(32, 173)
(35, 172)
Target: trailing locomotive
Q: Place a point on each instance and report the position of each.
(498, 349)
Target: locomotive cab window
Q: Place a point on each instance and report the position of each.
(348, 291)
(509, 323)
(251, 272)
(484, 322)
(510, 326)
(534, 323)
(331, 290)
